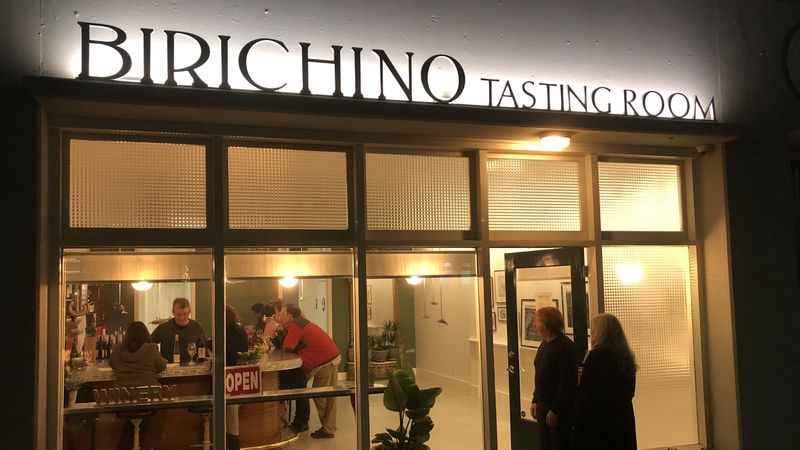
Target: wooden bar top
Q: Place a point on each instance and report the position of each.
(274, 361)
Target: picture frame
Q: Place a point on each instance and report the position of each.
(494, 321)
(566, 307)
(502, 314)
(499, 285)
(528, 338)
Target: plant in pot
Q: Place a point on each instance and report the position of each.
(412, 406)
(390, 338)
(251, 356)
(380, 351)
(71, 385)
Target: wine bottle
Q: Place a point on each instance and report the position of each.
(176, 350)
(201, 350)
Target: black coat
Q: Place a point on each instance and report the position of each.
(556, 369)
(604, 409)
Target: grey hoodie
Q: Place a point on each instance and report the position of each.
(139, 368)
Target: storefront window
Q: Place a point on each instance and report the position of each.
(640, 196)
(137, 324)
(649, 289)
(287, 188)
(136, 184)
(289, 358)
(422, 310)
(417, 192)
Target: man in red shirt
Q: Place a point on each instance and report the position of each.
(321, 359)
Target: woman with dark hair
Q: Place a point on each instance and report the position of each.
(235, 336)
(136, 361)
(555, 380)
(604, 419)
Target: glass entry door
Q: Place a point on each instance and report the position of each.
(535, 280)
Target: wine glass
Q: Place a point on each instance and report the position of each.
(192, 349)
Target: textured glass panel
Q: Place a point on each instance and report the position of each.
(280, 188)
(124, 184)
(640, 197)
(409, 192)
(534, 195)
(649, 289)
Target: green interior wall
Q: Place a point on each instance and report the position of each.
(341, 304)
(243, 295)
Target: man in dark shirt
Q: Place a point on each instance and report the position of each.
(555, 382)
(186, 329)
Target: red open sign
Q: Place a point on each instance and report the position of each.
(242, 380)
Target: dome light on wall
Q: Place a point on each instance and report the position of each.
(554, 141)
(414, 280)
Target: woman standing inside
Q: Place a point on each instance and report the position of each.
(555, 380)
(604, 419)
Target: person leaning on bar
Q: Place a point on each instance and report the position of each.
(136, 362)
(186, 329)
(320, 357)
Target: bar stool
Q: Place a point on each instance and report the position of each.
(135, 418)
(205, 413)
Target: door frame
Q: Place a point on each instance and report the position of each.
(524, 435)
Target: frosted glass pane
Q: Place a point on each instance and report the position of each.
(280, 188)
(124, 184)
(534, 195)
(409, 192)
(640, 197)
(649, 289)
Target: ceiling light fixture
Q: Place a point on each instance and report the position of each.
(414, 280)
(288, 282)
(142, 286)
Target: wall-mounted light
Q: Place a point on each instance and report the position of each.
(288, 282)
(554, 141)
(414, 280)
(629, 274)
(142, 286)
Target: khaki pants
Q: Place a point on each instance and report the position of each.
(325, 375)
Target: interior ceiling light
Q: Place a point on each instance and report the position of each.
(414, 280)
(288, 282)
(554, 141)
(629, 274)
(142, 286)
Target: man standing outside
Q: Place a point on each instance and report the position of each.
(180, 325)
(320, 358)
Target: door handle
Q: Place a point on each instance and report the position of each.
(511, 354)
(511, 369)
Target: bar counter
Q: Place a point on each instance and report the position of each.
(174, 424)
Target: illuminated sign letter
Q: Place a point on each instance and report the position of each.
(243, 62)
(384, 60)
(426, 67)
(115, 44)
(337, 68)
(205, 52)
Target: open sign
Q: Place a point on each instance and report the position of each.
(242, 380)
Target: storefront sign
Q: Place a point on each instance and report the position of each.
(242, 380)
(393, 79)
(134, 394)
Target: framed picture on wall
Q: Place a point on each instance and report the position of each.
(494, 321)
(566, 308)
(499, 283)
(502, 315)
(528, 336)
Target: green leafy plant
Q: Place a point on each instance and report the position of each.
(252, 356)
(72, 382)
(413, 406)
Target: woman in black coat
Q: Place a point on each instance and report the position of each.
(604, 412)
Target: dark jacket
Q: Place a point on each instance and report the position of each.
(604, 409)
(556, 368)
(164, 334)
(139, 368)
(235, 343)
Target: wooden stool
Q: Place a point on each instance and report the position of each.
(205, 413)
(135, 418)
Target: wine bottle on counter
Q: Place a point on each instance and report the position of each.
(98, 349)
(176, 351)
(201, 350)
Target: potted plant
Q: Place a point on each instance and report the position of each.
(412, 406)
(390, 338)
(71, 385)
(380, 351)
(252, 356)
